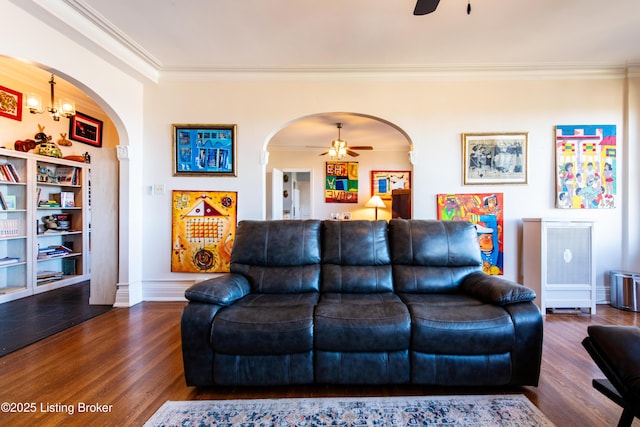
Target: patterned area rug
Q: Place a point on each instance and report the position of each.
(494, 410)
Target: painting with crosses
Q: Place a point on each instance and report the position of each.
(204, 226)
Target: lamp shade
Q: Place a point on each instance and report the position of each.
(375, 202)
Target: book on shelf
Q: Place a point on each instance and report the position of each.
(9, 228)
(67, 175)
(65, 199)
(9, 260)
(48, 276)
(53, 251)
(48, 204)
(9, 173)
(7, 202)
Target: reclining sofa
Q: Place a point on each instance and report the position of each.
(359, 302)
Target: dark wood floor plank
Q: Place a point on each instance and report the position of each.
(131, 359)
(27, 320)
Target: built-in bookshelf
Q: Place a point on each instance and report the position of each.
(44, 223)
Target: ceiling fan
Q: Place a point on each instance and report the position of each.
(424, 7)
(339, 148)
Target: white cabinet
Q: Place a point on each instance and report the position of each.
(558, 263)
(44, 223)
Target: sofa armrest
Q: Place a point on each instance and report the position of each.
(221, 290)
(496, 290)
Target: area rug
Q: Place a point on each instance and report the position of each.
(489, 410)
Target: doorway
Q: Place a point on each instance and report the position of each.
(291, 195)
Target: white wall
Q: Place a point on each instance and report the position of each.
(432, 113)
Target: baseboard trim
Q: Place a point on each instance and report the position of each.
(165, 290)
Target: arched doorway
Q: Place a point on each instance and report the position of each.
(302, 145)
(29, 78)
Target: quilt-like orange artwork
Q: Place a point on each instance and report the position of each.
(203, 230)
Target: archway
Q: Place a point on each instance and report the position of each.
(28, 78)
(302, 145)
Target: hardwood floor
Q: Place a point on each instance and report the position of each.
(27, 320)
(128, 362)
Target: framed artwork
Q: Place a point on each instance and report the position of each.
(86, 129)
(384, 182)
(203, 230)
(486, 212)
(341, 182)
(586, 166)
(10, 103)
(204, 150)
(495, 158)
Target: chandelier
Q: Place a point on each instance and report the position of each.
(338, 149)
(64, 107)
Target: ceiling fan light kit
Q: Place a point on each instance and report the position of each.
(338, 150)
(425, 7)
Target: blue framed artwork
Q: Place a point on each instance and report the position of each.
(204, 150)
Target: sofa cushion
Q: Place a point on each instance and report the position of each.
(432, 256)
(355, 257)
(277, 243)
(278, 256)
(280, 280)
(265, 324)
(357, 279)
(361, 323)
(458, 324)
(355, 243)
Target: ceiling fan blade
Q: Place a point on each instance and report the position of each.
(361, 147)
(424, 7)
(323, 154)
(352, 153)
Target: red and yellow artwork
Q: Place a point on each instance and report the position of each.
(485, 211)
(341, 182)
(203, 230)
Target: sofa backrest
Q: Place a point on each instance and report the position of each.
(430, 256)
(355, 257)
(278, 256)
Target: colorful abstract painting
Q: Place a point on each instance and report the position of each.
(203, 231)
(485, 210)
(586, 168)
(341, 182)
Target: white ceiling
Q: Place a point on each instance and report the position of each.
(347, 34)
(156, 38)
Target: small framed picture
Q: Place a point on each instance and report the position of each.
(10, 201)
(495, 158)
(204, 150)
(384, 182)
(83, 128)
(10, 103)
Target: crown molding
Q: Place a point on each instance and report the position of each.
(78, 16)
(92, 26)
(454, 72)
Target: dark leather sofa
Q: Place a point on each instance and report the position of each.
(359, 302)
